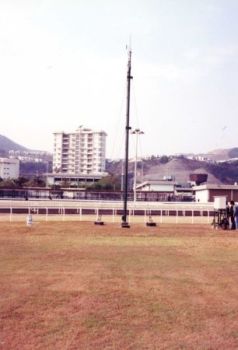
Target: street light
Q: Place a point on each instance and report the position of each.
(136, 132)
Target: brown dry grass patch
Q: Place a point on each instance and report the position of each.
(79, 286)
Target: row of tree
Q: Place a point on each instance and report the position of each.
(110, 182)
(22, 182)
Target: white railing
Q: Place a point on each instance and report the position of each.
(108, 211)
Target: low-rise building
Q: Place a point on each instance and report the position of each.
(166, 190)
(206, 193)
(30, 156)
(71, 180)
(9, 168)
(158, 186)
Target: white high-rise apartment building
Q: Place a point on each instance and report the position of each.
(82, 152)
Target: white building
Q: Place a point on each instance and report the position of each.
(30, 156)
(80, 154)
(206, 193)
(9, 168)
(158, 186)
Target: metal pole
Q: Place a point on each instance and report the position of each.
(136, 132)
(135, 168)
(122, 176)
(125, 185)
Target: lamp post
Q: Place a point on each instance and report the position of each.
(136, 132)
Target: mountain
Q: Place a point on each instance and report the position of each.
(154, 167)
(6, 145)
(178, 168)
(223, 154)
(32, 162)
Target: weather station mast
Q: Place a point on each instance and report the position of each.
(127, 129)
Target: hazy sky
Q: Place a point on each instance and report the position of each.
(63, 64)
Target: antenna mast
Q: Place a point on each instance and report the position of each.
(125, 187)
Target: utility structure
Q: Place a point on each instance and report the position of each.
(136, 132)
(125, 185)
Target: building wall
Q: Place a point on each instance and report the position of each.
(9, 168)
(229, 194)
(81, 152)
(207, 195)
(57, 153)
(202, 196)
(159, 188)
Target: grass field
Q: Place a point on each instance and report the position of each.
(80, 286)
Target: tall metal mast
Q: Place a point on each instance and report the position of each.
(125, 187)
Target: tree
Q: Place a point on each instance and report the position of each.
(64, 183)
(110, 182)
(164, 159)
(35, 182)
(8, 183)
(21, 181)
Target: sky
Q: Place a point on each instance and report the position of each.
(63, 63)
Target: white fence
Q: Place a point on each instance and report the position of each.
(108, 211)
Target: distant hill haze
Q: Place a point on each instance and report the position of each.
(223, 154)
(157, 168)
(179, 169)
(7, 145)
(32, 162)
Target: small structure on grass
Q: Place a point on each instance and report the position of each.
(29, 220)
(150, 222)
(220, 219)
(99, 220)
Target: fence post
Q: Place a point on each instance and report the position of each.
(113, 215)
(46, 214)
(10, 218)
